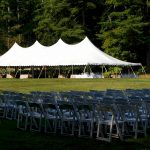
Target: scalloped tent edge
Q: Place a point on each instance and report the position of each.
(59, 54)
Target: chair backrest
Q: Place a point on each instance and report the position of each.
(35, 108)
(22, 106)
(2, 100)
(84, 110)
(104, 112)
(50, 109)
(108, 100)
(126, 111)
(66, 109)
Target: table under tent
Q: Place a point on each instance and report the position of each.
(76, 60)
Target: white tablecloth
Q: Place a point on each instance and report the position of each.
(85, 75)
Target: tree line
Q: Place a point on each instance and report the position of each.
(121, 28)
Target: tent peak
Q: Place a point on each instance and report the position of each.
(60, 54)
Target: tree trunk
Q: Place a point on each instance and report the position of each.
(148, 58)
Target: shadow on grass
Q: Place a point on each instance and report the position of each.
(13, 139)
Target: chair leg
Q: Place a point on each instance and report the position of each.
(62, 125)
(79, 134)
(110, 130)
(73, 124)
(91, 130)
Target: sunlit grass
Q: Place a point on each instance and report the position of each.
(27, 85)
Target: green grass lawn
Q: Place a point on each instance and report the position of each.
(13, 139)
(27, 85)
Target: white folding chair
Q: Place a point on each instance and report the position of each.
(67, 117)
(107, 125)
(133, 119)
(2, 107)
(85, 116)
(36, 116)
(51, 117)
(23, 119)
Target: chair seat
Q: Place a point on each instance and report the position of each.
(37, 115)
(51, 117)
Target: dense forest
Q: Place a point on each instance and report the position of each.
(121, 28)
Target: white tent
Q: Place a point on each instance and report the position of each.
(59, 54)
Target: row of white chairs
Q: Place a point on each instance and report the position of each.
(81, 119)
(100, 114)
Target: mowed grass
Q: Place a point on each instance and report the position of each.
(13, 139)
(27, 85)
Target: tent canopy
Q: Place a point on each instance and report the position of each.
(59, 54)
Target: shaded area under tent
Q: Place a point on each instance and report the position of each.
(69, 72)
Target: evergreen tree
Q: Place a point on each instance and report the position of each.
(58, 21)
(25, 14)
(70, 20)
(147, 34)
(6, 22)
(16, 23)
(122, 28)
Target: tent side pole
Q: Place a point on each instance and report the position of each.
(59, 70)
(40, 72)
(9, 70)
(102, 71)
(45, 71)
(105, 69)
(28, 72)
(90, 69)
(84, 69)
(133, 71)
(32, 72)
(120, 74)
(72, 69)
(20, 71)
(16, 72)
(6, 70)
(143, 70)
